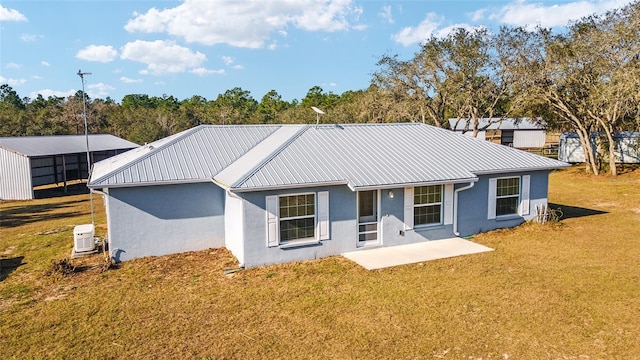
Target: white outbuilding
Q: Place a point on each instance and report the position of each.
(29, 161)
(520, 133)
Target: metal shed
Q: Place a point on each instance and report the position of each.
(520, 133)
(28, 161)
(627, 147)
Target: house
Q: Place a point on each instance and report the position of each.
(520, 133)
(28, 161)
(627, 147)
(282, 193)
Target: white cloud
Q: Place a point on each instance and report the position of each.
(11, 15)
(98, 53)
(162, 57)
(386, 14)
(44, 63)
(204, 71)
(521, 13)
(14, 82)
(442, 33)
(99, 90)
(13, 65)
(477, 15)
(413, 35)
(228, 60)
(46, 93)
(37, 77)
(127, 80)
(247, 24)
(30, 37)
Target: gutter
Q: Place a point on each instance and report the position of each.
(455, 206)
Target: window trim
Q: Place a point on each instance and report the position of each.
(281, 219)
(321, 220)
(522, 209)
(517, 196)
(446, 209)
(440, 203)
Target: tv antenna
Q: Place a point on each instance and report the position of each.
(86, 138)
(318, 113)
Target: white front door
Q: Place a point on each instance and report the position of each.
(368, 210)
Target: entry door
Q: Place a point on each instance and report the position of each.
(368, 204)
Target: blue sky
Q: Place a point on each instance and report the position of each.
(197, 47)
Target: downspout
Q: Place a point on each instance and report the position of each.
(105, 197)
(455, 206)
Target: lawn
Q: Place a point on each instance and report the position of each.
(569, 290)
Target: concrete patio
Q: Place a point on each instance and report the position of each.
(384, 257)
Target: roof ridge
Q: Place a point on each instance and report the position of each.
(302, 128)
(153, 150)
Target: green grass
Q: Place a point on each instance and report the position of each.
(569, 290)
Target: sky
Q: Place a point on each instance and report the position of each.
(204, 48)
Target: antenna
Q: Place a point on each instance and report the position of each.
(318, 113)
(86, 138)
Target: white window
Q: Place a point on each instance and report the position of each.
(297, 218)
(427, 205)
(508, 196)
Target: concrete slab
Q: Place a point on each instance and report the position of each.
(384, 257)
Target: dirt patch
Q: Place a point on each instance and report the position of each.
(8, 250)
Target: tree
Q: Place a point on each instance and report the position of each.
(612, 43)
(235, 106)
(477, 85)
(415, 87)
(12, 115)
(270, 106)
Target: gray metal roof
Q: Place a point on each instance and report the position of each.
(252, 157)
(32, 146)
(192, 155)
(387, 155)
(497, 123)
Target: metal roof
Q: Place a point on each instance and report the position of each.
(387, 155)
(32, 146)
(192, 155)
(497, 123)
(254, 157)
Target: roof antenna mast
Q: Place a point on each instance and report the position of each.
(318, 113)
(86, 138)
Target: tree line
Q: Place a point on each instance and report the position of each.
(584, 78)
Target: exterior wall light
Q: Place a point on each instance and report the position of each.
(391, 194)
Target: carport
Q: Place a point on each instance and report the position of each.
(29, 161)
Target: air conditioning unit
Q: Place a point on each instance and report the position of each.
(83, 238)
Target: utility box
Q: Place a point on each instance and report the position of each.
(83, 238)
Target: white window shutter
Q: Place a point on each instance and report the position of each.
(524, 203)
(272, 206)
(448, 204)
(491, 208)
(408, 208)
(323, 215)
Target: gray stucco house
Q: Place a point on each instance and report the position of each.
(282, 193)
